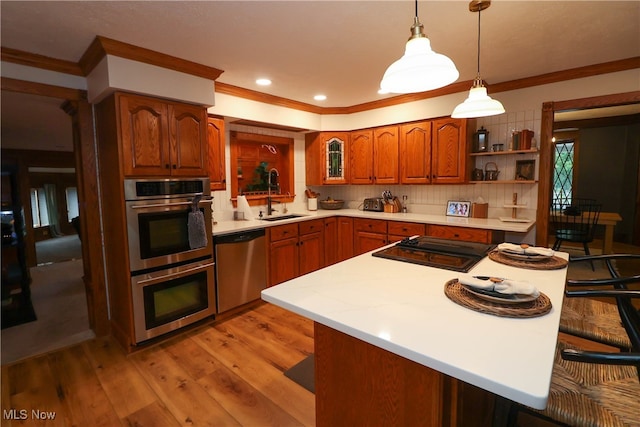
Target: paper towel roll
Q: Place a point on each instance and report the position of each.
(243, 206)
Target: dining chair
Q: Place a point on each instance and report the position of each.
(595, 319)
(575, 221)
(596, 388)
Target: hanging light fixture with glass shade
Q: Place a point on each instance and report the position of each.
(478, 104)
(420, 68)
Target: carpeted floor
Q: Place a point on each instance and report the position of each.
(58, 249)
(59, 300)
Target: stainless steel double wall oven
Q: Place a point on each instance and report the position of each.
(172, 283)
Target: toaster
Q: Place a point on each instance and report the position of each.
(375, 204)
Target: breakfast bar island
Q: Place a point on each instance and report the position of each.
(392, 349)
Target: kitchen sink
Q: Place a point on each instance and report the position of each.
(281, 217)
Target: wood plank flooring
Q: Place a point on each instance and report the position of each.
(225, 373)
(229, 372)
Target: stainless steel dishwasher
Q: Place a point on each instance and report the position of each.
(241, 269)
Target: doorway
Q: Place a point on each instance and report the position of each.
(77, 117)
(604, 113)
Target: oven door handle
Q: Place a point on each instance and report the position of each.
(165, 205)
(176, 274)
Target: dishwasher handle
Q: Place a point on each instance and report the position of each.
(241, 237)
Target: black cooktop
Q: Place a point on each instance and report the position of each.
(440, 253)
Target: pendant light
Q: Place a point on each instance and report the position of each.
(420, 68)
(478, 104)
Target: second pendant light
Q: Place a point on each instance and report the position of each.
(478, 104)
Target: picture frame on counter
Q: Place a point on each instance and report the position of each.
(525, 170)
(460, 208)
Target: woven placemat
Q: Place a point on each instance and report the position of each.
(551, 263)
(458, 294)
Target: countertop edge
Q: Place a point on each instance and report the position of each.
(231, 226)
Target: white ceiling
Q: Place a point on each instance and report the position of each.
(338, 48)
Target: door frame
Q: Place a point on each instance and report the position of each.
(74, 102)
(545, 174)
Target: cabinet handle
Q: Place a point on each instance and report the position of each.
(174, 166)
(456, 235)
(166, 166)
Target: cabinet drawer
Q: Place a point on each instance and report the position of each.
(371, 225)
(280, 232)
(312, 226)
(406, 229)
(460, 233)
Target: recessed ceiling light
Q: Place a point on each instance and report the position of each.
(263, 82)
(320, 97)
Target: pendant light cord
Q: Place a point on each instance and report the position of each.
(416, 8)
(479, 12)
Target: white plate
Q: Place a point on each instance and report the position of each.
(526, 257)
(498, 297)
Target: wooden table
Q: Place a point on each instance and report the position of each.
(609, 220)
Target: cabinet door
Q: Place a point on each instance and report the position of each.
(449, 151)
(311, 252)
(330, 241)
(215, 142)
(385, 155)
(144, 136)
(366, 241)
(415, 153)
(313, 158)
(361, 152)
(335, 159)
(188, 131)
(345, 238)
(283, 260)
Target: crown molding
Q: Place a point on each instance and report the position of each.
(33, 88)
(40, 61)
(102, 46)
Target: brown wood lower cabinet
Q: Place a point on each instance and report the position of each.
(345, 248)
(369, 234)
(295, 249)
(311, 241)
(465, 234)
(360, 384)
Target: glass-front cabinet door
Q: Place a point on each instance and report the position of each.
(335, 160)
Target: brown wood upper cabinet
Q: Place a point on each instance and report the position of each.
(415, 153)
(215, 142)
(162, 138)
(374, 156)
(327, 158)
(433, 152)
(361, 154)
(449, 150)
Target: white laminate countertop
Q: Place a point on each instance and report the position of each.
(402, 308)
(231, 226)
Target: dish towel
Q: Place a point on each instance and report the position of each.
(501, 285)
(525, 249)
(195, 226)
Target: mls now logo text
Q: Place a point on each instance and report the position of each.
(23, 414)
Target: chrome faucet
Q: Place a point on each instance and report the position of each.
(270, 210)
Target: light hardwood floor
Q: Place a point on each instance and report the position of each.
(225, 373)
(228, 372)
